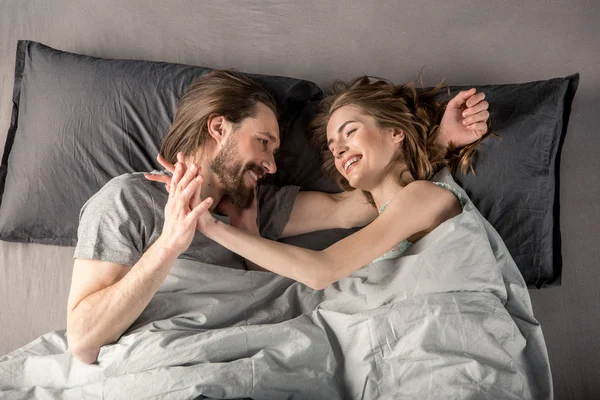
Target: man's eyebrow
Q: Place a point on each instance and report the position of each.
(340, 129)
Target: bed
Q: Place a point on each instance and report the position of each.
(318, 43)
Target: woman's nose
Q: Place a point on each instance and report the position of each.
(339, 150)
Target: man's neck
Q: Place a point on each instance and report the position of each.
(210, 184)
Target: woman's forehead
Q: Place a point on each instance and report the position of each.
(342, 115)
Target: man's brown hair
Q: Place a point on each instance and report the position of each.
(223, 93)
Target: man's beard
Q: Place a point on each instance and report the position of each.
(231, 173)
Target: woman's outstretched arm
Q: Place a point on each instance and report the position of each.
(421, 206)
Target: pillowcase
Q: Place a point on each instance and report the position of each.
(79, 121)
(515, 185)
(516, 180)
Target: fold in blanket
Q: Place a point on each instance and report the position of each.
(450, 318)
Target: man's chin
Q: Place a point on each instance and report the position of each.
(242, 200)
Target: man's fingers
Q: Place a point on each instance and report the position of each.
(481, 106)
(461, 98)
(177, 174)
(479, 117)
(197, 198)
(201, 208)
(190, 174)
(184, 197)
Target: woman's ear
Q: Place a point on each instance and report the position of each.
(218, 127)
(397, 135)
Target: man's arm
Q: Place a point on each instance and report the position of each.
(106, 298)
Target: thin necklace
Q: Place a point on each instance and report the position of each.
(383, 207)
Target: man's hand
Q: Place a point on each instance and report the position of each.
(244, 219)
(184, 208)
(465, 119)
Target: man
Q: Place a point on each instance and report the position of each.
(131, 232)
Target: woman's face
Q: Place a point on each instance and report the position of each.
(361, 149)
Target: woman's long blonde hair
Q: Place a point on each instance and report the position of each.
(417, 113)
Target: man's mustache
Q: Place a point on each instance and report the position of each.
(258, 170)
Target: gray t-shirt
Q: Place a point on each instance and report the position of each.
(126, 216)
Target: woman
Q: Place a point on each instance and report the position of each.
(380, 139)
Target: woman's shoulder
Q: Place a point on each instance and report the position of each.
(442, 202)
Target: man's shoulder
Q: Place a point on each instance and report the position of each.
(132, 189)
(133, 183)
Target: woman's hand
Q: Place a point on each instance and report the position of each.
(244, 219)
(166, 179)
(184, 209)
(465, 119)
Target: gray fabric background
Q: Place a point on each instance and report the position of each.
(464, 41)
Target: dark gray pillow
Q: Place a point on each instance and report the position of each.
(516, 182)
(79, 121)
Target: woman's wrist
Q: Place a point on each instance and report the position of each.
(208, 226)
(441, 141)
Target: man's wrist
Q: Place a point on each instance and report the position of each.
(164, 250)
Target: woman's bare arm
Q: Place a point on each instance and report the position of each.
(421, 206)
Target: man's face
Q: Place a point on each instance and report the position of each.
(247, 155)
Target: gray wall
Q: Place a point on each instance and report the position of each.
(466, 42)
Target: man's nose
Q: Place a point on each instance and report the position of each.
(269, 165)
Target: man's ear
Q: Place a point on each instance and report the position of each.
(397, 135)
(218, 127)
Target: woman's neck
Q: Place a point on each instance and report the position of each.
(385, 191)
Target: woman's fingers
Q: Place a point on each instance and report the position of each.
(167, 165)
(461, 98)
(475, 99)
(481, 106)
(480, 128)
(166, 179)
(481, 116)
